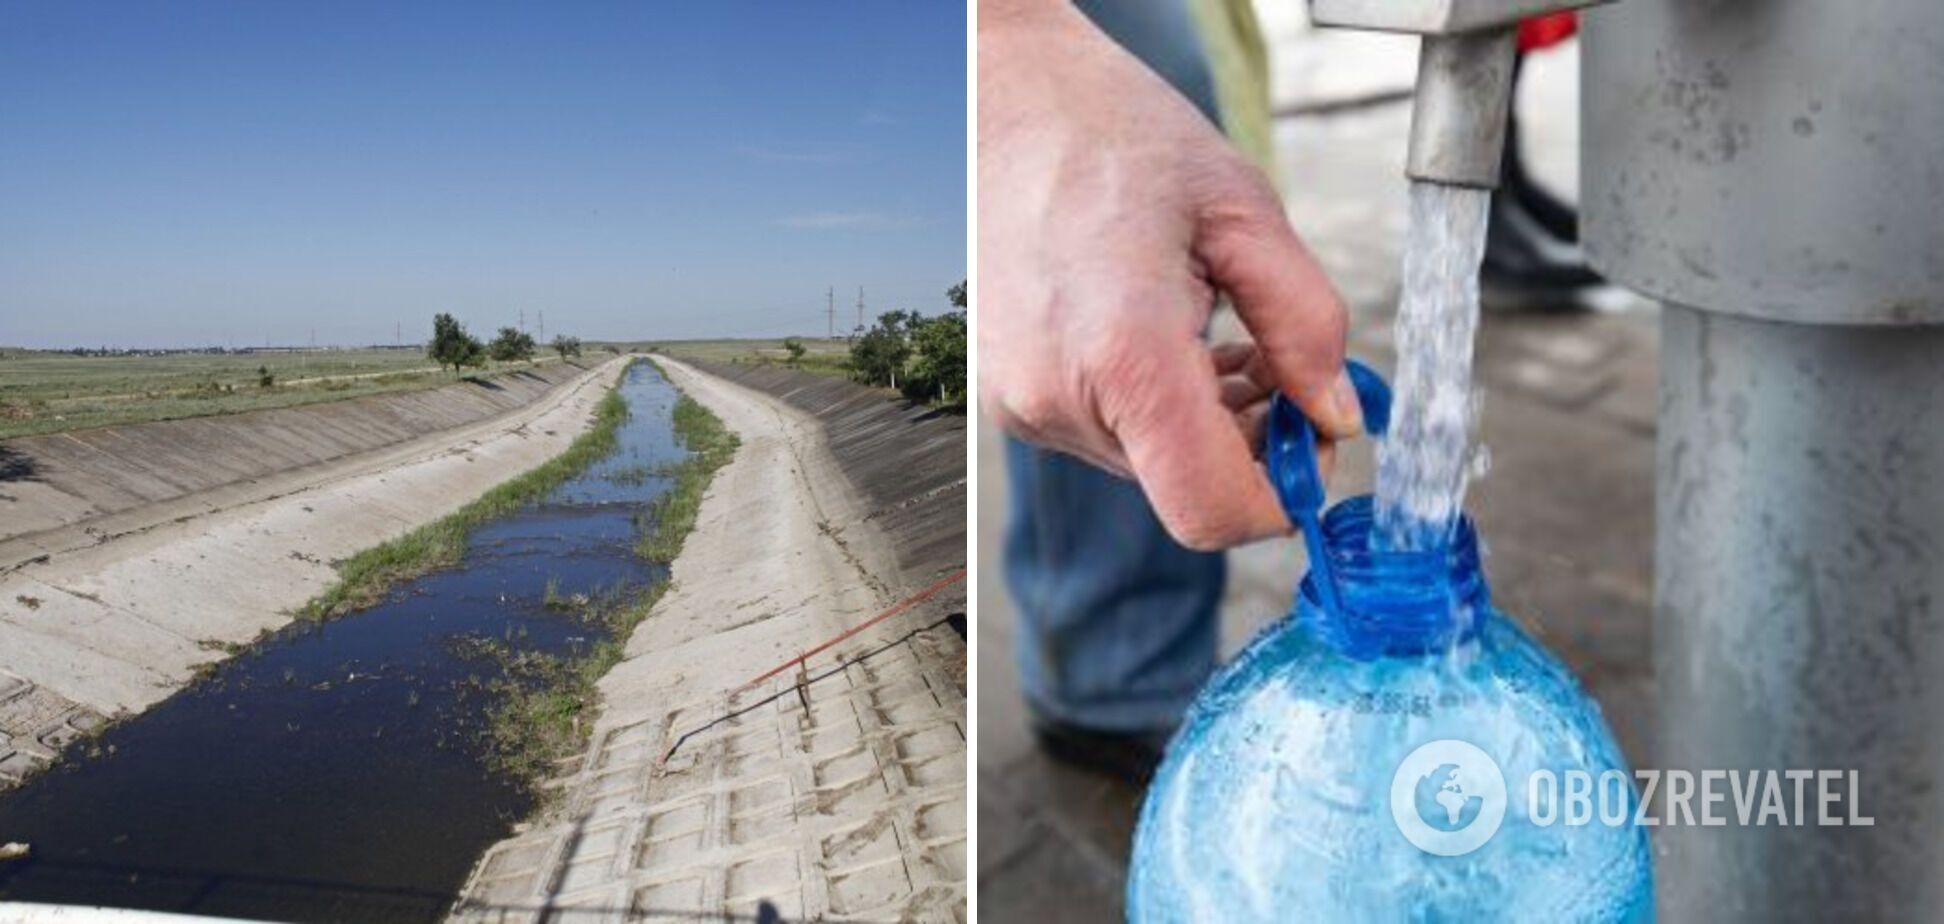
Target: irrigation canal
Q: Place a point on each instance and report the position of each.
(341, 771)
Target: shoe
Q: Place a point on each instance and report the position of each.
(1553, 215)
(1130, 757)
(1533, 260)
(1526, 266)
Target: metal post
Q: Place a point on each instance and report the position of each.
(1799, 585)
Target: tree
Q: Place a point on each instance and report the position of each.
(512, 344)
(566, 346)
(795, 347)
(878, 357)
(956, 295)
(938, 370)
(452, 346)
(264, 377)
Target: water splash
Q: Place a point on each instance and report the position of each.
(1423, 464)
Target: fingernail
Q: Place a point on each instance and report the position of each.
(1349, 411)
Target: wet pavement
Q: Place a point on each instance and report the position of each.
(1566, 507)
(339, 771)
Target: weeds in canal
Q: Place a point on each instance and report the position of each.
(228, 648)
(548, 704)
(710, 445)
(364, 577)
(553, 599)
(631, 476)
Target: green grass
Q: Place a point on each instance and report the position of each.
(364, 577)
(55, 392)
(548, 704)
(711, 445)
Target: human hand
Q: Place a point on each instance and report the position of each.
(1110, 216)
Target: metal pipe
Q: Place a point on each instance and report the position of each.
(1464, 91)
(1464, 79)
(1799, 572)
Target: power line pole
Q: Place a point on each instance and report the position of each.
(543, 327)
(860, 308)
(830, 311)
(523, 320)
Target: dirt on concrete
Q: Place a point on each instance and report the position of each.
(834, 790)
(154, 550)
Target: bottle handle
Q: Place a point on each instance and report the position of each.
(1291, 456)
(1291, 451)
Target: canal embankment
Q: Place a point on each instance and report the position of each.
(132, 558)
(835, 787)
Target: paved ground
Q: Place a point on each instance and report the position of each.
(837, 792)
(1567, 506)
(121, 601)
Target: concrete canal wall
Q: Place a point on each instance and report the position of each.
(67, 490)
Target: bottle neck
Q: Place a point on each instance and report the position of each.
(1394, 603)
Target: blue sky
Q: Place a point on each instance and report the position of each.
(177, 173)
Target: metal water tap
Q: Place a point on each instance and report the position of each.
(1464, 82)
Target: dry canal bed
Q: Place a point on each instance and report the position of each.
(343, 771)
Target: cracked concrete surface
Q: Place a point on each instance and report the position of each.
(842, 797)
(108, 605)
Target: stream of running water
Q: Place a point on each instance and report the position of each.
(1426, 458)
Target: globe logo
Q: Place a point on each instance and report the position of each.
(1443, 802)
(1448, 797)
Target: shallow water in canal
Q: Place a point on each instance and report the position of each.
(339, 771)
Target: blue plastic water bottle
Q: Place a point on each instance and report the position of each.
(1394, 750)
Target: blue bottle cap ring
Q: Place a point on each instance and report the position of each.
(1291, 453)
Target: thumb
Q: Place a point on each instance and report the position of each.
(1298, 321)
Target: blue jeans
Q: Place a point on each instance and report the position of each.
(1118, 622)
(1118, 625)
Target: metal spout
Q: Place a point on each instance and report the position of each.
(1464, 90)
(1464, 82)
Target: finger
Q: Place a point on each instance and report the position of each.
(1239, 391)
(1232, 357)
(1295, 315)
(1241, 357)
(1184, 447)
(1253, 423)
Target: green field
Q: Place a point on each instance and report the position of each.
(52, 392)
(824, 357)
